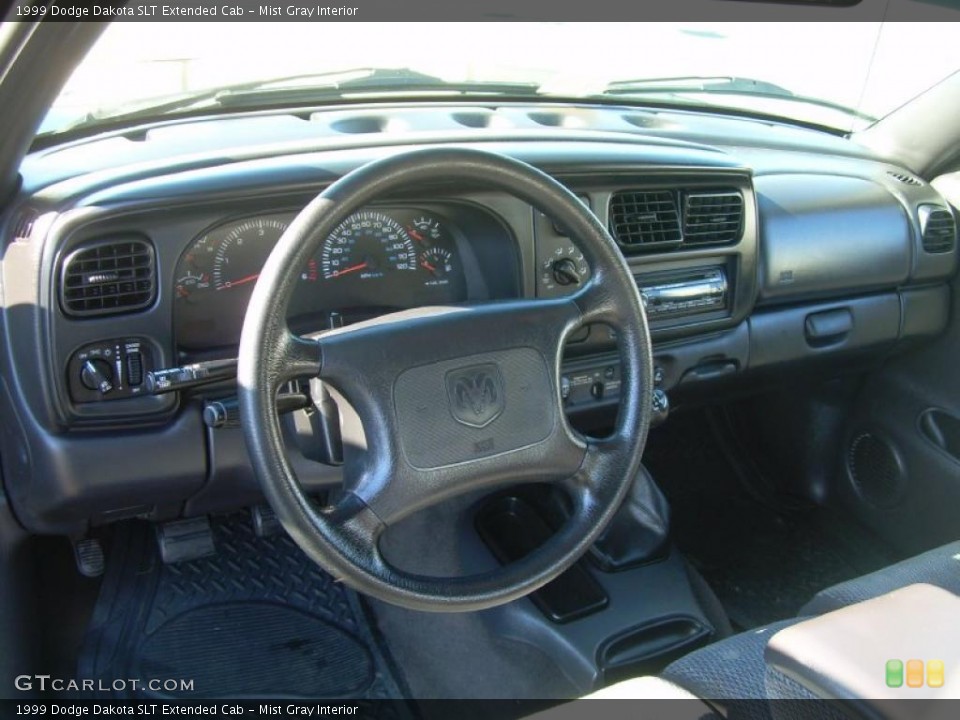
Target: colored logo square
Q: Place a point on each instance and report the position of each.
(914, 673)
(935, 673)
(894, 673)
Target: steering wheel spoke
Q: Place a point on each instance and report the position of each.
(296, 357)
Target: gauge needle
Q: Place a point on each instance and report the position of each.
(241, 281)
(429, 267)
(415, 235)
(352, 268)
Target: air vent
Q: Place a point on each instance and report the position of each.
(938, 229)
(905, 178)
(110, 277)
(23, 225)
(712, 218)
(645, 218)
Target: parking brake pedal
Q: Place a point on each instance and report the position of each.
(89, 556)
(184, 540)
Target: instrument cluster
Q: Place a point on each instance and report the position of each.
(377, 260)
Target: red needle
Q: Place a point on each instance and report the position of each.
(416, 236)
(352, 268)
(429, 267)
(233, 283)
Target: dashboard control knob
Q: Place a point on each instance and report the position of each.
(565, 272)
(97, 375)
(661, 407)
(565, 387)
(597, 390)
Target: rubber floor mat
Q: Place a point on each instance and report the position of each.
(258, 619)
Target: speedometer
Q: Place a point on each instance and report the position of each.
(367, 245)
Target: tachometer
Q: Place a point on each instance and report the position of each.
(241, 254)
(367, 245)
(215, 276)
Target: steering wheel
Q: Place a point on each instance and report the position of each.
(451, 399)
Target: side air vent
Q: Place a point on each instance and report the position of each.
(645, 218)
(712, 218)
(109, 277)
(23, 225)
(938, 229)
(905, 178)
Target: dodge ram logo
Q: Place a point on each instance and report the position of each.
(476, 394)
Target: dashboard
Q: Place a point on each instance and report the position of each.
(758, 249)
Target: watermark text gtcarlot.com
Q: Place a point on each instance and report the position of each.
(48, 683)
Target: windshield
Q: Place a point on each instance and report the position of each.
(841, 75)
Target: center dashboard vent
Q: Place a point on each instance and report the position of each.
(642, 218)
(109, 277)
(938, 229)
(668, 218)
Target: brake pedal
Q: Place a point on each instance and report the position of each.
(265, 521)
(88, 554)
(183, 540)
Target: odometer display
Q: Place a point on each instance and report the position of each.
(368, 245)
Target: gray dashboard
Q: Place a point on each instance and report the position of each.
(832, 259)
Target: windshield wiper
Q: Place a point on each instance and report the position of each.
(299, 89)
(391, 82)
(697, 83)
(721, 85)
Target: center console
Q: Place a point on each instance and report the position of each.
(627, 608)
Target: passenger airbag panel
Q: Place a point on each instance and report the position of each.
(823, 235)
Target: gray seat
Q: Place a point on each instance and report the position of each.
(732, 678)
(939, 567)
(734, 669)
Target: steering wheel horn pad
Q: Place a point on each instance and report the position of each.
(451, 399)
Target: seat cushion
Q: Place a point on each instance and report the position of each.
(939, 567)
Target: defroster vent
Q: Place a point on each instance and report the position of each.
(108, 277)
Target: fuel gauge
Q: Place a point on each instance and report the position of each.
(438, 262)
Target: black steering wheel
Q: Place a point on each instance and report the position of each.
(451, 399)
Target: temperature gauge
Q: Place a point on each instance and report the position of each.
(425, 230)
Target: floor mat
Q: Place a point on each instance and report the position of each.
(258, 619)
(762, 561)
